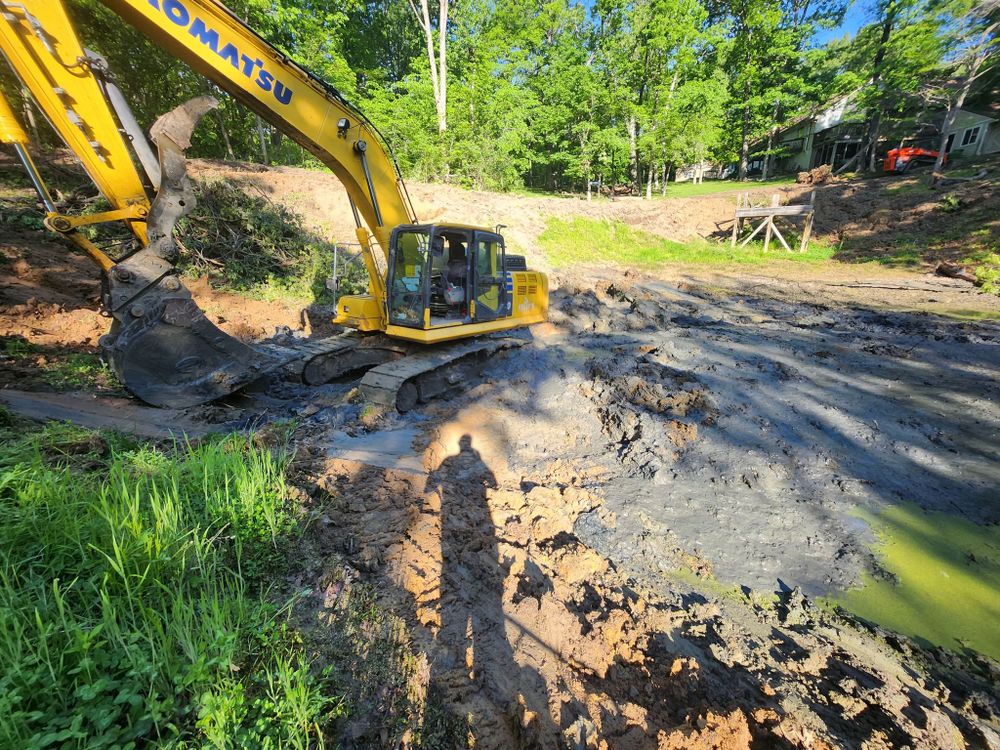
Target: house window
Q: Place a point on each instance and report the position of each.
(970, 136)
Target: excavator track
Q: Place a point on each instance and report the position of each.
(345, 355)
(322, 361)
(405, 382)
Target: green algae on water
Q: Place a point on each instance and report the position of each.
(947, 587)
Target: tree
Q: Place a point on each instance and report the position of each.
(974, 41)
(902, 48)
(438, 68)
(560, 94)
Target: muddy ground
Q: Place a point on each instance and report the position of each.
(615, 540)
(621, 534)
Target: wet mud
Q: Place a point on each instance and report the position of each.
(622, 537)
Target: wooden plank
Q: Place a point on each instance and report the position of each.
(805, 234)
(780, 236)
(753, 234)
(767, 234)
(107, 413)
(759, 211)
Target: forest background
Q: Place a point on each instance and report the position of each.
(556, 95)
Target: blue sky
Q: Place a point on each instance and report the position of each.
(857, 15)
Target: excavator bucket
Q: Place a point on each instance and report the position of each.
(161, 345)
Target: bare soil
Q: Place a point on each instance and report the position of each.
(618, 538)
(50, 299)
(871, 218)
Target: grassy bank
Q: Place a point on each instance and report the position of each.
(145, 602)
(130, 596)
(570, 242)
(691, 189)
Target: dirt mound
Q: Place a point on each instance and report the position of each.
(51, 297)
(900, 220)
(818, 176)
(321, 199)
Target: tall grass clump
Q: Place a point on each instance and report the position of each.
(131, 604)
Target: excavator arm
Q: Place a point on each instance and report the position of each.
(161, 345)
(212, 40)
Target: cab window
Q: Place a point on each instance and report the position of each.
(406, 301)
(490, 282)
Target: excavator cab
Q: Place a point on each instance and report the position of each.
(443, 278)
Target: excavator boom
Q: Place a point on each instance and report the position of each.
(216, 43)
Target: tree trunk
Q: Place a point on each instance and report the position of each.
(443, 75)
(980, 53)
(649, 183)
(437, 64)
(225, 134)
(29, 116)
(875, 114)
(770, 140)
(633, 152)
(262, 138)
(221, 121)
(588, 186)
(745, 145)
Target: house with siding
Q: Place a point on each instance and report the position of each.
(835, 134)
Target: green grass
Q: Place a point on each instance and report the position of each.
(947, 579)
(986, 267)
(61, 369)
(145, 602)
(963, 314)
(909, 187)
(690, 189)
(131, 604)
(569, 242)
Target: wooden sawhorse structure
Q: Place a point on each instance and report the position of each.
(744, 210)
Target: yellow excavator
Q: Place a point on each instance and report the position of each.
(428, 283)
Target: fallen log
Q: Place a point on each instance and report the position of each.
(957, 271)
(940, 179)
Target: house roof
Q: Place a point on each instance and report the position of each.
(992, 116)
(813, 115)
